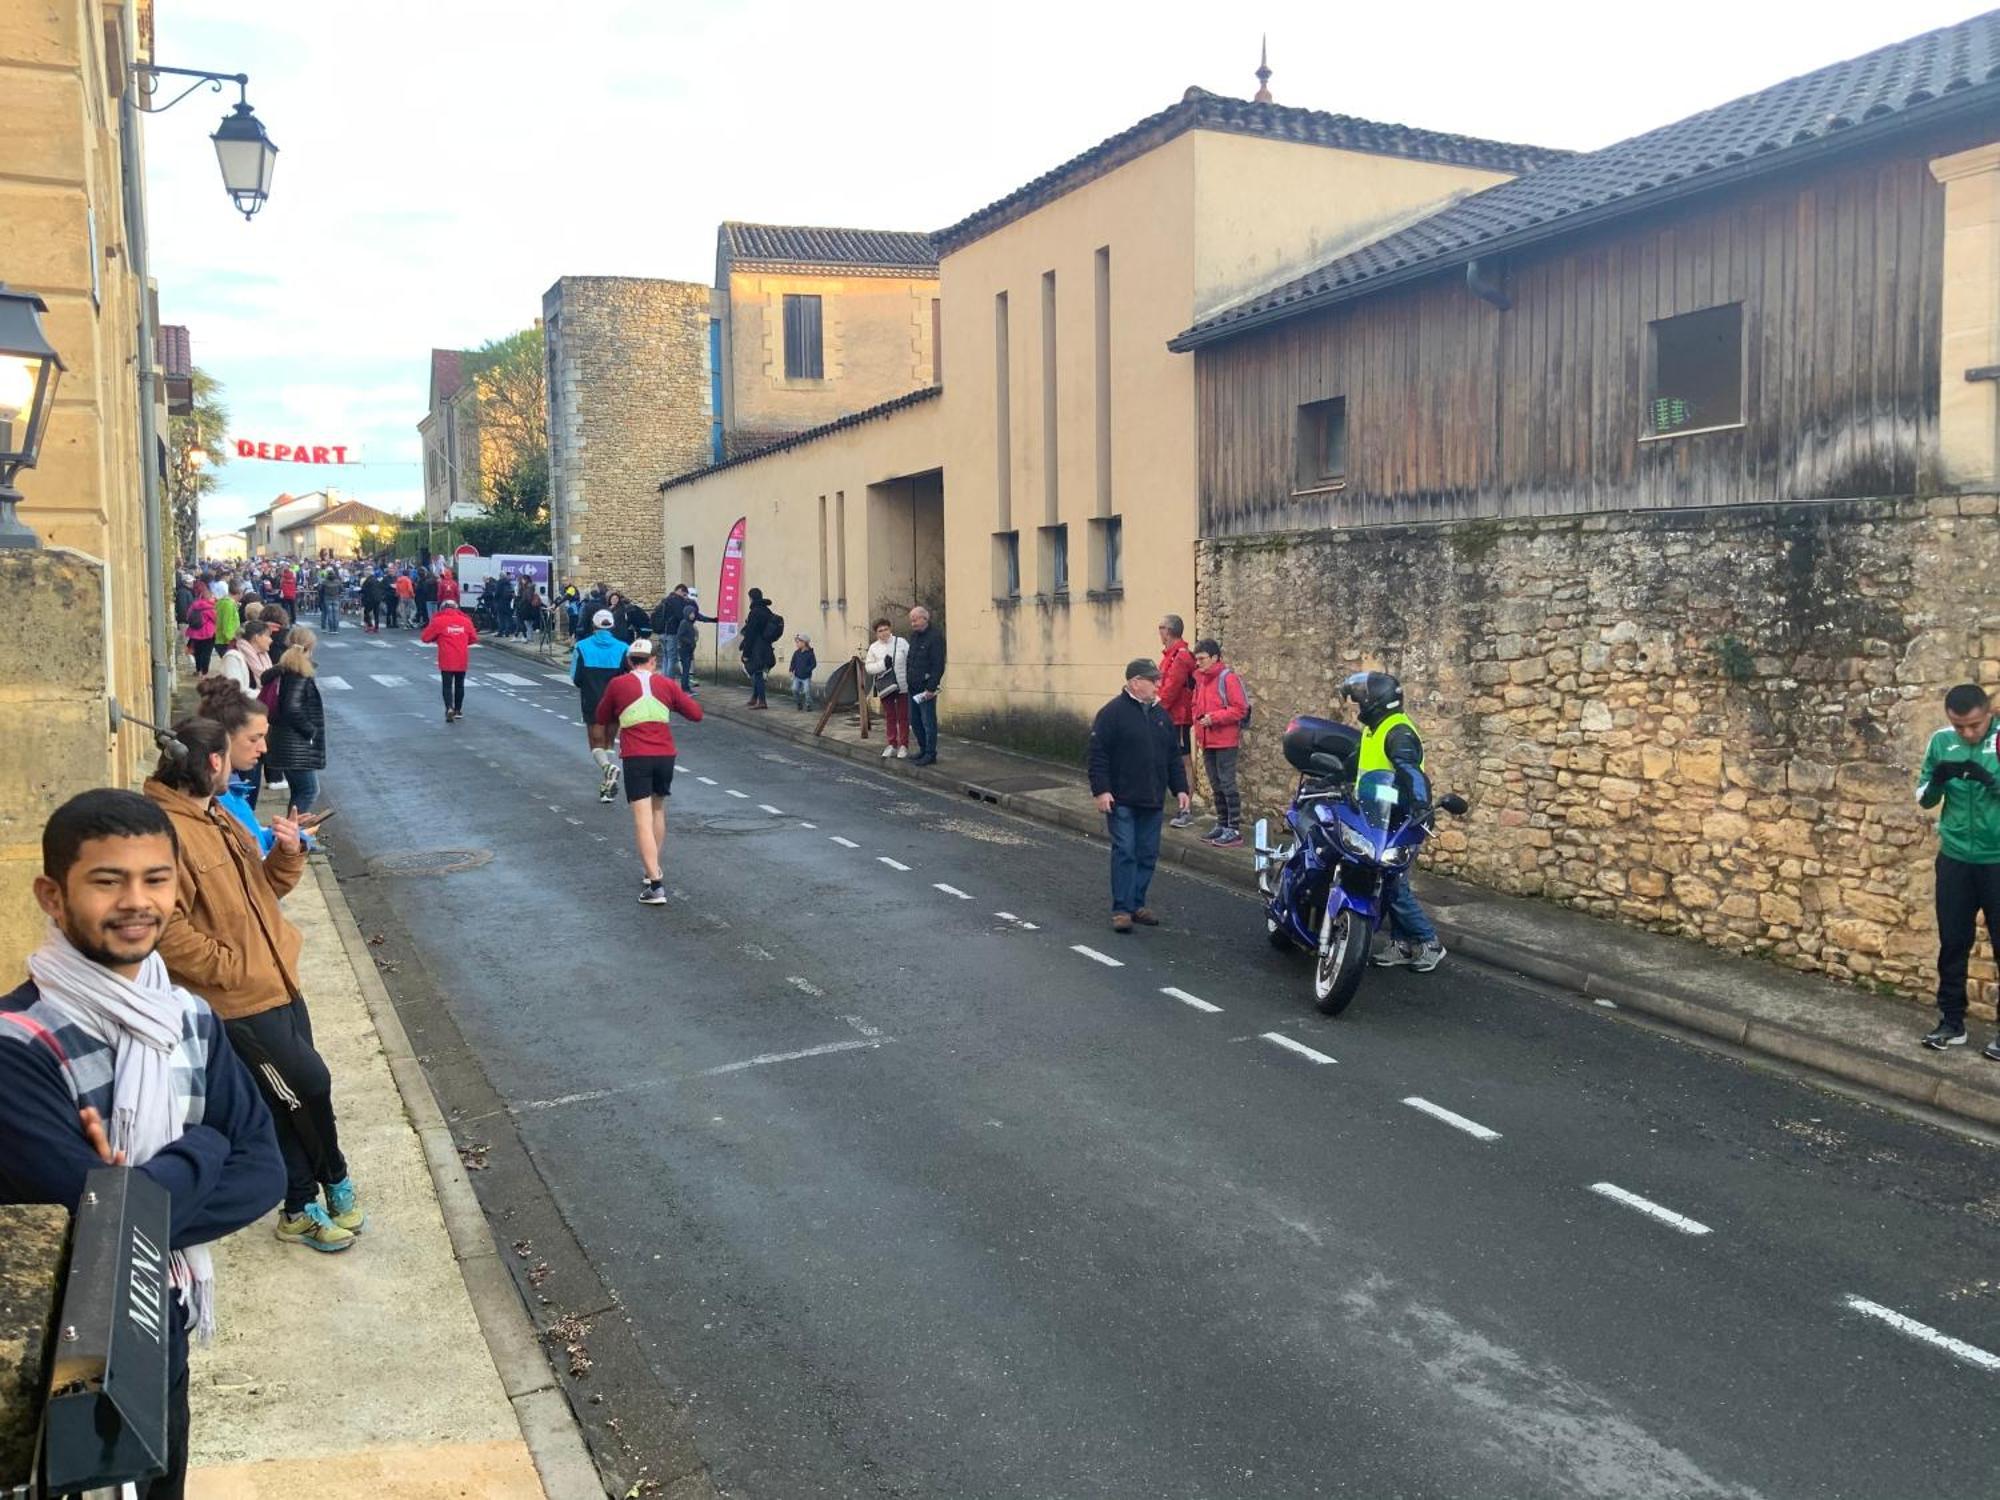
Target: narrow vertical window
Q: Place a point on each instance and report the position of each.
(687, 566)
(840, 546)
(937, 341)
(804, 359)
(1003, 417)
(823, 594)
(1050, 447)
(1103, 322)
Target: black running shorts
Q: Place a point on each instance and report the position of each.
(648, 776)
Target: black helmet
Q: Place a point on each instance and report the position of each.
(1378, 693)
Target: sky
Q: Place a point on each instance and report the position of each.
(442, 162)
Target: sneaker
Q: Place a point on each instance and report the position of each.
(1145, 918)
(608, 784)
(1181, 820)
(888, 752)
(313, 1229)
(1993, 1048)
(1427, 957)
(654, 894)
(1948, 1034)
(1229, 838)
(343, 1206)
(447, 716)
(902, 752)
(1209, 837)
(1395, 955)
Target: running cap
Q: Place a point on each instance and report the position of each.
(603, 620)
(639, 648)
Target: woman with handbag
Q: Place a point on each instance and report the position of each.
(888, 667)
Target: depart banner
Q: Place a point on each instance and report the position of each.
(729, 590)
(296, 453)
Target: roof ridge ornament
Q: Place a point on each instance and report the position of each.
(1263, 94)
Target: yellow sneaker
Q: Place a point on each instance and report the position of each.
(313, 1229)
(343, 1206)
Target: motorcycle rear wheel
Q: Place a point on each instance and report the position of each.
(1342, 960)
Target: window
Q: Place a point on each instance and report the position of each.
(1697, 371)
(1103, 338)
(840, 547)
(804, 359)
(1003, 416)
(1107, 554)
(937, 342)
(1323, 444)
(1055, 560)
(823, 595)
(1050, 444)
(687, 566)
(1006, 565)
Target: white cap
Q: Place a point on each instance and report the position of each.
(602, 619)
(640, 647)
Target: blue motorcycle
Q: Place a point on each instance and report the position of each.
(1346, 838)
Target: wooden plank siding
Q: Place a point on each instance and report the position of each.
(1457, 410)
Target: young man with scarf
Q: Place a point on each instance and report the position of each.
(104, 1061)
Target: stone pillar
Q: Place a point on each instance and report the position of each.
(55, 727)
(1969, 410)
(34, 1249)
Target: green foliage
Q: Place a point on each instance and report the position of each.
(202, 431)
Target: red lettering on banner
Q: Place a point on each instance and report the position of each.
(319, 455)
(340, 455)
(245, 448)
(263, 450)
(282, 452)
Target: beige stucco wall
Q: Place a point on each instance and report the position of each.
(1969, 410)
(59, 178)
(780, 497)
(875, 338)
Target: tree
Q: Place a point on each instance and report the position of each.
(200, 431)
(509, 375)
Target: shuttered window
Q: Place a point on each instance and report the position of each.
(803, 357)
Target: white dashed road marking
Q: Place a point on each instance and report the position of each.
(845, 843)
(894, 864)
(1008, 916)
(951, 890)
(806, 986)
(1299, 1047)
(512, 679)
(767, 1058)
(390, 681)
(1103, 958)
(809, 825)
(1457, 1122)
(383, 644)
(732, 792)
(338, 684)
(776, 812)
(1195, 1000)
(706, 780)
(1651, 1209)
(860, 1025)
(558, 677)
(1972, 1354)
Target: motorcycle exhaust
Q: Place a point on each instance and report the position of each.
(1260, 842)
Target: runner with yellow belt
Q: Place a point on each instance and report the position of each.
(642, 703)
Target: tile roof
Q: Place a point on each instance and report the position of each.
(811, 434)
(772, 246)
(1198, 109)
(347, 513)
(1910, 84)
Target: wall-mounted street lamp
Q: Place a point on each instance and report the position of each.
(29, 369)
(243, 150)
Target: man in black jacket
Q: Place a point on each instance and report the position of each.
(1135, 761)
(926, 675)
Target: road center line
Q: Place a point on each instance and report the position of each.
(813, 826)
(1972, 1354)
(951, 890)
(1195, 1000)
(732, 792)
(894, 864)
(1299, 1047)
(1646, 1206)
(1008, 916)
(1104, 958)
(776, 812)
(1457, 1122)
(804, 985)
(706, 780)
(767, 1058)
(844, 843)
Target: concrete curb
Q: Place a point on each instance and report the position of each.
(1789, 1044)
(548, 1426)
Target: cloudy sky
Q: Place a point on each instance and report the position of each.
(443, 161)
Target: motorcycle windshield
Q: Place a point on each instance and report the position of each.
(1376, 796)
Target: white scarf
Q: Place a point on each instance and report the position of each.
(143, 1018)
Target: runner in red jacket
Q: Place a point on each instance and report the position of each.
(642, 704)
(454, 634)
(1177, 697)
(447, 586)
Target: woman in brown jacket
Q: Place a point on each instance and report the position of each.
(228, 942)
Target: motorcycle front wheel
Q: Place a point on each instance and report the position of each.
(1343, 959)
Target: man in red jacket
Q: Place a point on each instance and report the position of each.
(1219, 706)
(455, 635)
(447, 585)
(1177, 698)
(642, 704)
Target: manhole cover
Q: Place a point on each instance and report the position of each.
(731, 823)
(430, 861)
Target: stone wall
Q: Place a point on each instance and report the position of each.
(1703, 722)
(629, 405)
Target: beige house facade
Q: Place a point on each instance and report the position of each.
(1059, 461)
(450, 433)
(64, 65)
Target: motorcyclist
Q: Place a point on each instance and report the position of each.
(1390, 745)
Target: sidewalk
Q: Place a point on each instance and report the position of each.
(372, 1365)
(1816, 1023)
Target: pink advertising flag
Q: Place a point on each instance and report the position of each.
(729, 591)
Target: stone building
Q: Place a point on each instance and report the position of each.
(629, 391)
(81, 634)
(451, 437)
(1664, 477)
(1062, 414)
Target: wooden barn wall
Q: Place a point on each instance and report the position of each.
(1457, 410)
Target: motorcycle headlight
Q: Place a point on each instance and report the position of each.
(1355, 843)
(1396, 858)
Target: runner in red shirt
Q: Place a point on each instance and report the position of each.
(447, 585)
(642, 704)
(454, 634)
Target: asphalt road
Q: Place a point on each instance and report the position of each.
(909, 1177)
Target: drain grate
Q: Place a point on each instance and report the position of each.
(430, 861)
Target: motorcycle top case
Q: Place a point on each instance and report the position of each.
(1306, 736)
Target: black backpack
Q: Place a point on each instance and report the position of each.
(776, 629)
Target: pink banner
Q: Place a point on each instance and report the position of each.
(729, 590)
